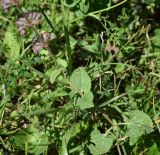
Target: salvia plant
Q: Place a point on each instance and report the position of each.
(29, 20)
(6, 4)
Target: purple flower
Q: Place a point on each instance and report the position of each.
(7, 3)
(28, 21)
(42, 41)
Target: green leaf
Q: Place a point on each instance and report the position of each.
(63, 148)
(120, 68)
(93, 48)
(12, 44)
(73, 42)
(136, 89)
(41, 145)
(70, 133)
(71, 3)
(139, 124)
(80, 81)
(53, 73)
(149, 1)
(37, 142)
(62, 63)
(156, 41)
(102, 143)
(67, 136)
(82, 8)
(153, 150)
(86, 101)
(74, 130)
(2, 107)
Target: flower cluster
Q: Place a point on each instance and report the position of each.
(42, 41)
(7, 3)
(28, 21)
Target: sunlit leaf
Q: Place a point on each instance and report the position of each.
(80, 81)
(102, 143)
(53, 73)
(36, 141)
(86, 101)
(139, 124)
(13, 46)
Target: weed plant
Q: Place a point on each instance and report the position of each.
(80, 77)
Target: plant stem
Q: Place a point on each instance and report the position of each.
(119, 150)
(2, 142)
(106, 9)
(65, 26)
(26, 148)
(100, 11)
(47, 19)
(111, 100)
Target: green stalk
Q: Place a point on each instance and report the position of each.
(26, 148)
(66, 33)
(111, 100)
(100, 11)
(2, 142)
(47, 19)
(106, 9)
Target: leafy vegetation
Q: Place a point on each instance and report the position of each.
(80, 77)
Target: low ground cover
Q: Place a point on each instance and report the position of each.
(80, 77)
